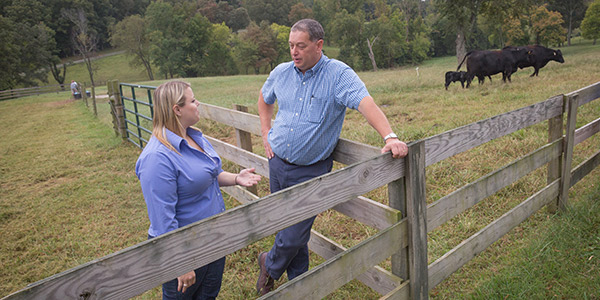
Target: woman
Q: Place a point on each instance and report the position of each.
(180, 174)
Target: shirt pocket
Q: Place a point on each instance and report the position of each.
(316, 109)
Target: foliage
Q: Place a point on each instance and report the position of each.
(299, 12)
(272, 11)
(130, 34)
(24, 53)
(590, 27)
(282, 48)
(546, 27)
(572, 12)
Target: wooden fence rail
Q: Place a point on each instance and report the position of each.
(402, 235)
(32, 91)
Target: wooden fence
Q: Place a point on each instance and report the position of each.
(33, 91)
(403, 226)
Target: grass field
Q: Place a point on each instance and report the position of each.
(70, 195)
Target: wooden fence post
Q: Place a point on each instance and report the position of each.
(416, 211)
(84, 94)
(569, 143)
(397, 200)
(244, 141)
(555, 131)
(117, 109)
(93, 99)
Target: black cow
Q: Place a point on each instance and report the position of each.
(540, 56)
(452, 76)
(483, 63)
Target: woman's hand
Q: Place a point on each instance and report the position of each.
(246, 177)
(185, 281)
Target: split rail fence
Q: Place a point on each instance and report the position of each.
(32, 91)
(403, 226)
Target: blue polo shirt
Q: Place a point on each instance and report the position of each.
(179, 189)
(312, 107)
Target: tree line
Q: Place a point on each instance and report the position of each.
(184, 38)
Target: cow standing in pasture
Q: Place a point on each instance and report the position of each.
(452, 76)
(540, 56)
(483, 63)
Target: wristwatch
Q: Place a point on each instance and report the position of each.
(390, 136)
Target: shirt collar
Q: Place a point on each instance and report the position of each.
(176, 140)
(316, 67)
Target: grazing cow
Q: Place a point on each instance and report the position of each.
(540, 56)
(486, 63)
(452, 76)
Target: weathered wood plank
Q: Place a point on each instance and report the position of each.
(402, 292)
(587, 93)
(376, 277)
(462, 199)
(397, 199)
(471, 247)
(362, 209)
(347, 152)
(555, 132)
(237, 119)
(565, 184)
(344, 267)
(585, 168)
(244, 141)
(139, 268)
(450, 143)
(416, 214)
(350, 152)
(370, 212)
(240, 156)
(586, 131)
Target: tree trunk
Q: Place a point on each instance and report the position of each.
(371, 55)
(570, 30)
(461, 44)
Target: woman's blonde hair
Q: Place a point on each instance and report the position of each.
(166, 96)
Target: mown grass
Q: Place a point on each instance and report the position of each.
(70, 194)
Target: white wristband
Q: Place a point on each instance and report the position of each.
(390, 136)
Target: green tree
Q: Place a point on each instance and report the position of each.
(282, 33)
(165, 25)
(463, 16)
(219, 59)
(346, 30)
(590, 27)
(572, 12)
(273, 11)
(130, 34)
(299, 12)
(546, 27)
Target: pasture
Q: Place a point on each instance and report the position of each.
(70, 194)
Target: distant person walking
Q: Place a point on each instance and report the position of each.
(74, 88)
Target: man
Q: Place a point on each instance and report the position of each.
(74, 88)
(313, 93)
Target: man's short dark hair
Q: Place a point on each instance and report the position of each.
(310, 26)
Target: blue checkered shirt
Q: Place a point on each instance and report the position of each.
(312, 107)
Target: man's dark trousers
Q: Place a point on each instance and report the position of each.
(290, 250)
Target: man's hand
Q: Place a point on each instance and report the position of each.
(268, 152)
(398, 147)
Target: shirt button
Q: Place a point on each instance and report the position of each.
(288, 145)
(296, 114)
(292, 129)
(300, 99)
